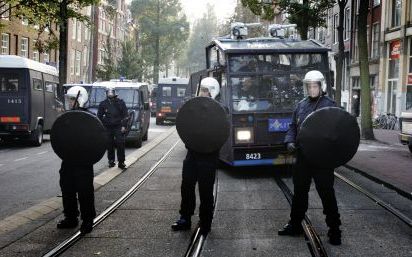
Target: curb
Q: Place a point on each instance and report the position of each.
(380, 181)
(37, 211)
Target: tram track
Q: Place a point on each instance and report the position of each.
(385, 205)
(314, 242)
(69, 242)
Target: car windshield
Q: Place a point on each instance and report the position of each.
(97, 95)
(270, 83)
(129, 96)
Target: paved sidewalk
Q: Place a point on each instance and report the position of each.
(387, 160)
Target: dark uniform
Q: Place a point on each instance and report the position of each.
(113, 113)
(76, 182)
(200, 168)
(304, 172)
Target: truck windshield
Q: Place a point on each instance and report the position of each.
(270, 83)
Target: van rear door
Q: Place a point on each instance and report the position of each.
(14, 99)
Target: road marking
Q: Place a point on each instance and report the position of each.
(156, 130)
(42, 153)
(20, 159)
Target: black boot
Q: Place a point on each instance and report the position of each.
(335, 236)
(111, 164)
(68, 223)
(182, 224)
(86, 227)
(290, 230)
(122, 165)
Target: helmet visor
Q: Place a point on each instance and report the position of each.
(312, 89)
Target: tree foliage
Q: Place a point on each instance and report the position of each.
(305, 13)
(163, 30)
(130, 65)
(108, 69)
(203, 31)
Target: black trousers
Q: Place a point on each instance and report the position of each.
(324, 180)
(116, 139)
(76, 182)
(200, 168)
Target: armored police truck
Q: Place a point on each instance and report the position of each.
(136, 97)
(30, 99)
(170, 97)
(261, 83)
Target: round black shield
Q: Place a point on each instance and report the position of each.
(78, 137)
(329, 137)
(202, 125)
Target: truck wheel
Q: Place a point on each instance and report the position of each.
(36, 137)
(410, 147)
(159, 121)
(144, 138)
(138, 142)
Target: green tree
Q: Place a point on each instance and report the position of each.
(305, 14)
(45, 13)
(107, 70)
(204, 30)
(163, 30)
(130, 64)
(366, 110)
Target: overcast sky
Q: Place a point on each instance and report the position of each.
(195, 8)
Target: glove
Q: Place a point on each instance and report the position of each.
(123, 130)
(291, 147)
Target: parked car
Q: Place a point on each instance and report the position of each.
(405, 136)
(30, 99)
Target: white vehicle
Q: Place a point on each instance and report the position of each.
(406, 129)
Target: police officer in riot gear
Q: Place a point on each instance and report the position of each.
(200, 168)
(76, 180)
(314, 85)
(113, 114)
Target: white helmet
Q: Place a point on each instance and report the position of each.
(111, 92)
(212, 85)
(72, 94)
(315, 76)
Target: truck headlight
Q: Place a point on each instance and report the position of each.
(243, 135)
(406, 127)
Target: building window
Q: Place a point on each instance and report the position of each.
(85, 56)
(393, 75)
(376, 2)
(101, 56)
(5, 43)
(86, 33)
(5, 12)
(335, 28)
(79, 32)
(24, 44)
(74, 28)
(347, 24)
(35, 52)
(72, 59)
(355, 48)
(24, 21)
(78, 62)
(396, 13)
(46, 57)
(375, 40)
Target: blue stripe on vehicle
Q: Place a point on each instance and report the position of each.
(253, 162)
